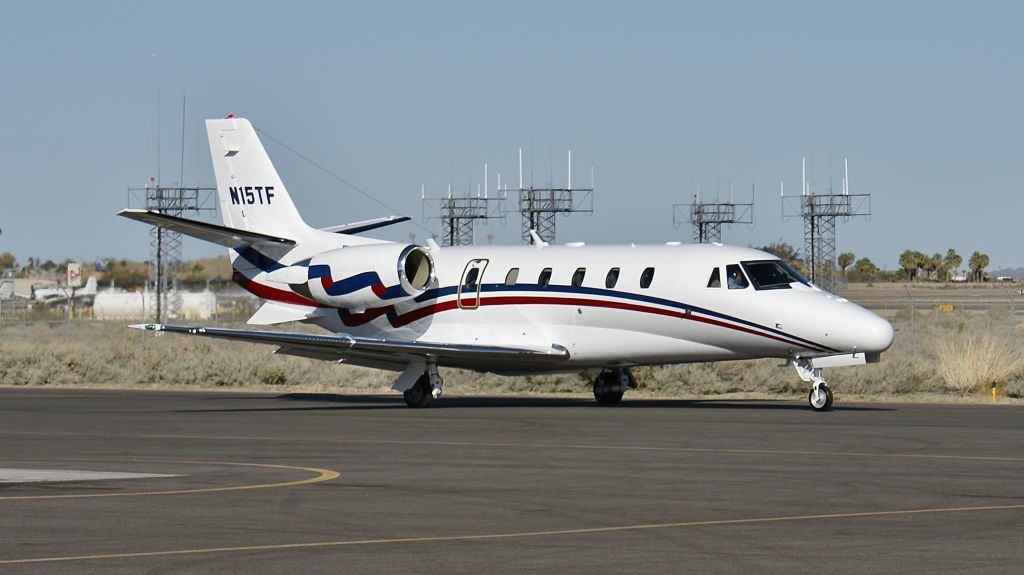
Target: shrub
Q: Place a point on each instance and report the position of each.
(971, 362)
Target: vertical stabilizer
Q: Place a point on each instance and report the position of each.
(251, 194)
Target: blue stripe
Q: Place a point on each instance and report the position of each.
(437, 293)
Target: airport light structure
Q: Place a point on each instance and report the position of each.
(707, 218)
(165, 244)
(459, 215)
(540, 207)
(820, 213)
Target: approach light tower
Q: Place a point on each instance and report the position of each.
(707, 218)
(539, 206)
(820, 213)
(459, 215)
(166, 244)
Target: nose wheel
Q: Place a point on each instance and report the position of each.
(820, 398)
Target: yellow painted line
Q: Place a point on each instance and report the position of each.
(808, 453)
(320, 476)
(511, 535)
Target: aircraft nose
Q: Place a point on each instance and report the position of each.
(877, 334)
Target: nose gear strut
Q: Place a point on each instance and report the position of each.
(820, 398)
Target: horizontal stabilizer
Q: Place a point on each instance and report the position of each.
(221, 235)
(366, 225)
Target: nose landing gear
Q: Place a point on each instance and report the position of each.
(820, 398)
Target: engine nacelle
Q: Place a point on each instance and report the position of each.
(361, 277)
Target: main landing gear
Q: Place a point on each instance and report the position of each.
(427, 388)
(610, 384)
(820, 398)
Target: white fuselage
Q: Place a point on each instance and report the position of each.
(675, 317)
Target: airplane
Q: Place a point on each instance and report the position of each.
(510, 310)
(61, 294)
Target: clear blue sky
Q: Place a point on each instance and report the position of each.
(924, 98)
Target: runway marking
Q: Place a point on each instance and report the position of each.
(321, 476)
(738, 451)
(512, 535)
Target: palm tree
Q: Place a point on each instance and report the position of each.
(845, 260)
(953, 260)
(978, 263)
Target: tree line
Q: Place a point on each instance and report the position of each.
(914, 265)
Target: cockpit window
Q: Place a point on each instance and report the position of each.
(715, 281)
(773, 274)
(735, 277)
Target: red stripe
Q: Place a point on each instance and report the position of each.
(422, 312)
(269, 293)
(354, 320)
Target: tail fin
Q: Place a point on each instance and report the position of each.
(90, 287)
(252, 196)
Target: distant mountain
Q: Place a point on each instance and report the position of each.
(1017, 273)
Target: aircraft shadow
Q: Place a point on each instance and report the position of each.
(339, 402)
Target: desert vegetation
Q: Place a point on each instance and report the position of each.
(937, 354)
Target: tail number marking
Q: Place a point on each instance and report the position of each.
(251, 195)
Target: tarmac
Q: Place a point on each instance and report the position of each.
(264, 483)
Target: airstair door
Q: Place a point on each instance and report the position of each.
(469, 287)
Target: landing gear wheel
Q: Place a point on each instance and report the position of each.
(820, 398)
(608, 388)
(420, 394)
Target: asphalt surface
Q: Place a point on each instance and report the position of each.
(332, 483)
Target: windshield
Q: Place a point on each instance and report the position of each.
(773, 274)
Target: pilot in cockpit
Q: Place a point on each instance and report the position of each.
(735, 278)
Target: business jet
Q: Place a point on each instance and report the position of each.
(511, 310)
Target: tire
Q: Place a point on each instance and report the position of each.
(607, 390)
(824, 402)
(420, 394)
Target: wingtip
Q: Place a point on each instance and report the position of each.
(147, 326)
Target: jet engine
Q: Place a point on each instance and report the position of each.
(361, 277)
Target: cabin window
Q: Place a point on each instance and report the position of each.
(735, 277)
(646, 278)
(471, 277)
(511, 277)
(715, 281)
(545, 278)
(577, 278)
(612, 278)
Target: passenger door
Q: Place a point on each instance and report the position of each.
(469, 286)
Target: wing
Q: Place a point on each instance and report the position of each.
(381, 353)
(221, 235)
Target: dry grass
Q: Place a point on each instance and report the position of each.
(87, 353)
(970, 363)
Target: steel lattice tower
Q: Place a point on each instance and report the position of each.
(540, 206)
(707, 218)
(820, 213)
(165, 244)
(459, 215)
